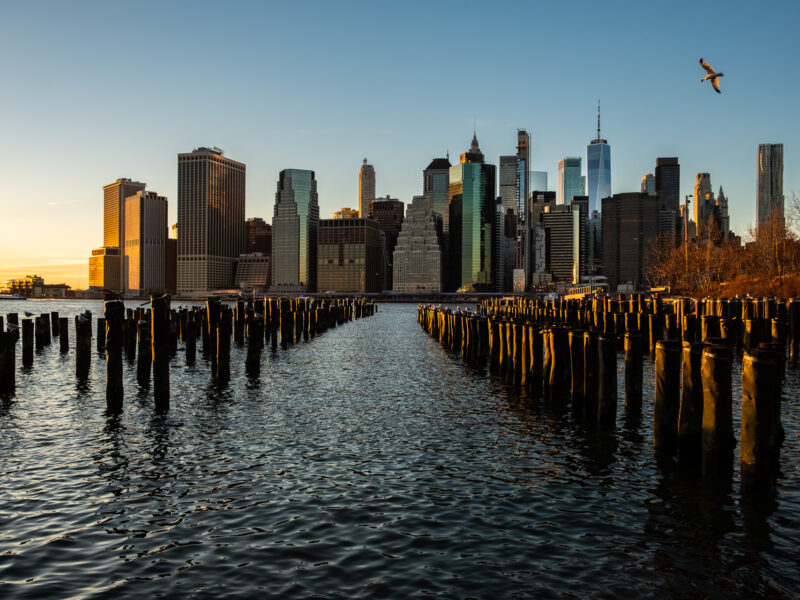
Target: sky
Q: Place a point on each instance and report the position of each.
(94, 91)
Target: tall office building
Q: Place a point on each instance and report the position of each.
(145, 253)
(349, 256)
(436, 188)
(721, 217)
(211, 197)
(418, 254)
(668, 190)
(519, 281)
(294, 232)
(562, 229)
(366, 188)
(114, 195)
(598, 166)
(472, 220)
(629, 226)
(769, 189)
(703, 202)
(507, 180)
(538, 181)
(105, 269)
(388, 213)
(569, 179)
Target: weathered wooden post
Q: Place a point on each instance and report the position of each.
(189, 334)
(8, 381)
(494, 344)
(794, 328)
(159, 340)
(607, 392)
(54, 324)
(144, 359)
(591, 373)
(63, 334)
(718, 440)
(667, 400)
(101, 334)
(27, 342)
(254, 343)
(690, 414)
(13, 324)
(46, 333)
(633, 373)
(38, 323)
(239, 324)
(576, 368)
(223, 373)
(213, 310)
(83, 345)
(114, 312)
(761, 432)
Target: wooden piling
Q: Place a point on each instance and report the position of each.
(83, 345)
(8, 382)
(761, 432)
(607, 376)
(144, 359)
(690, 414)
(114, 311)
(63, 334)
(54, 324)
(101, 334)
(718, 440)
(223, 372)
(591, 370)
(576, 368)
(633, 373)
(27, 342)
(667, 396)
(254, 343)
(159, 341)
(189, 335)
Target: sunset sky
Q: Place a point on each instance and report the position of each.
(94, 91)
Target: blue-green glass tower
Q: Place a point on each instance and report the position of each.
(472, 215)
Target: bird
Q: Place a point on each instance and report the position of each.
(712, 75)
(27, 314)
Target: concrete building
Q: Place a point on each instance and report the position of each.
(346, 213)
(629, 226)
(294, 233)
(418, 254)
(562, 230)
(349, 256)
(252, 272)
(471, 256)
(703, 202)
(114, 195)
(769, 185)
(211, 221)
(507, 186)
(569, 179)
(145, 253)
(258, 234)
(366, 188)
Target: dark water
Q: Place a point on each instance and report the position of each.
(366, 463)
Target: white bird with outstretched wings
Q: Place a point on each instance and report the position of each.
(711, 74)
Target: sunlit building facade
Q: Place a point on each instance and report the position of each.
(211, 221)
(294, 232)
(598, 169)
(105, 269)
(349, 256)
(145, 252)
(569, 179)
(114, 195)
(418, 254)
(366, 188)
(769, 189)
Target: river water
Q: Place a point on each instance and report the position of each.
(366, 463)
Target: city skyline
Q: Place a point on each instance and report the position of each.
(397, 126)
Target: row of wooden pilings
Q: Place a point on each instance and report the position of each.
(566, 350)
(155, 331)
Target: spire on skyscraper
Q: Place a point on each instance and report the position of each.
(474, 146)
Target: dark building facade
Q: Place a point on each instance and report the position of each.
(349, 256)
(259, 236)
(668, 190)
(388, 213)
(630, 225)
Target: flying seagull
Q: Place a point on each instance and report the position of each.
(712, 75)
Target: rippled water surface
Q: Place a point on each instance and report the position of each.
(368, 462)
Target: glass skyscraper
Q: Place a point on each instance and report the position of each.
(294, 232)
(472, 216)
(569, 179)
(769, 191)
(598, 167)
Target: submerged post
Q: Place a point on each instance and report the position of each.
(63, 334)
(114, 312)
(27, 342)
(8, 382)
(667, 401)
(718, 440)
(159, 336)
(633, 373)
(83, 345)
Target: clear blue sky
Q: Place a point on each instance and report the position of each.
(93, 91)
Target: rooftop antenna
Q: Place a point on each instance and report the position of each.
(598, 119)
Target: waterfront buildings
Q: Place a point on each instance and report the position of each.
(145, 252)
(629, 227)
(769, 187)
(562, 230)
(569, 179)
(418, 256)
(252, 272)
(33, 286)
(258, 235)
(114, 195)
(294, 232)
(366, 188)
(598, 166)
(211, 221)
(349, 256)
(472, 215)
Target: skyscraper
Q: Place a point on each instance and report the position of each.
(418, 254)
(436, 188)
(211, 197)
(366, 188)
(649, 184)
(472, 221)
(145, 253)
(598, 166)
(703, 202)
(114, 195)
(294, 232)
(769, 189)
(508, 186)
(668, 190)
(569, 179)
(538, 181)
(388, 213)
(629, 226)
(259, 236)
(562, 228)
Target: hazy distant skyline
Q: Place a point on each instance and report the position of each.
(94, 91)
